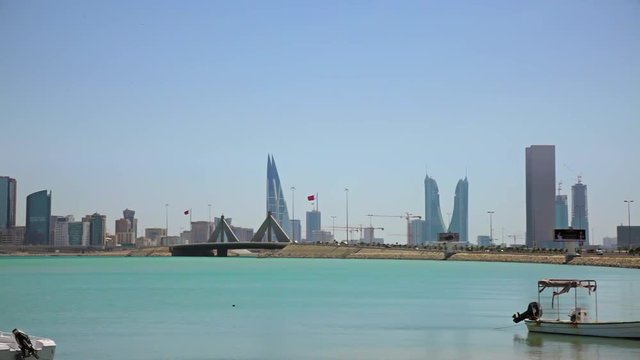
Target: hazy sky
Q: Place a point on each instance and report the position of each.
(134, 104)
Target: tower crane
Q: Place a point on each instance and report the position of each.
(408, 216)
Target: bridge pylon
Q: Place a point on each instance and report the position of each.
(222, 228)
(270, 226)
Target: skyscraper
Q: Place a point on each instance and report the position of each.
(7, 202)
(460, 219)
(275, 197)
(314, 221)
(579, 210)
(432, 215)
(562, 212)
(540, 171)
(433, 223)
(38, 218)
(97, 229)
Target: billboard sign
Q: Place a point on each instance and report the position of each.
(563, 235)
(449, 237)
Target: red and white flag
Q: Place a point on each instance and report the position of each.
(311, 197)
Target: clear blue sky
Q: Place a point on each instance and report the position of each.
(134, 104)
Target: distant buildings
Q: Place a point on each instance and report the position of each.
(416, 235)
(609, 243)
(38, 218)
(79, 232)
(562, 212)
(432, 215)
(296, 230)
(153, 235)
(484, 240)
(579, 209)
(7, 203)
(200, 232)
(433, 223)
(60, 229)
(540, 196)
(127, 228)
(97, 229)
(314, 225)
(460, 219)
(276, 203)
(243, 234)
(628, 237)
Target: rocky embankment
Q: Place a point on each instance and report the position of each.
(358, 252)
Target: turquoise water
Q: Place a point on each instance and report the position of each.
(247, 308)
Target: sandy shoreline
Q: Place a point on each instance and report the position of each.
(358, 252)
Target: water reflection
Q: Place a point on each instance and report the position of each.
(551, 346)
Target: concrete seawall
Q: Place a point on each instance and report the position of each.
(356, 252)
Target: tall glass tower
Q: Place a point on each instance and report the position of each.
(579, 213)
(7, 202)
(460, 219)
(275, 197)
(433, 223)
(38, 218)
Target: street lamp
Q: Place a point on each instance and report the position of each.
(629, 219)
(346, 192)
(491, 226)
(293, 213)
(333, 221)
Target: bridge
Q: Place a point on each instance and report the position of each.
(223, 239)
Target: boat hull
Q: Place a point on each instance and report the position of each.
(617, 329)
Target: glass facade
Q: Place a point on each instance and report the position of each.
(314, 225)
(7, 202)
(562, 212)
(276, 203)
(38, 218)
(98, 229)
(432, 215)
(460, 219)
(75, 233)
(580, 212)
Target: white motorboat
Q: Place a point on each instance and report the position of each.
(16, 345)
(579, 322)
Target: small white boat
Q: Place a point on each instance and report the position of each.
(16, 345)
(579, 322)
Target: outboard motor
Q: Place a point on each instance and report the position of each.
(534, 312)
(24, 343)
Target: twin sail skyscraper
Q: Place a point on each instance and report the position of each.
(433, 223)
(276, 203)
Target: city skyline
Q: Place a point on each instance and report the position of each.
(345, 95)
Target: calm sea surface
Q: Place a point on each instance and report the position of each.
(247, 308)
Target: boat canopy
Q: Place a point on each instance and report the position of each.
(565, 285)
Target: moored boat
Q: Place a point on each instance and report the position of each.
(18, 345)
(579, 322)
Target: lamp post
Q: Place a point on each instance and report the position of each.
(293, 213)
(346, 192)
(629, 227)
(166, 219)
(491, 226)
(333, 222)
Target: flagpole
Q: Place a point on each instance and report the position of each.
(190, 216)
(317, 201)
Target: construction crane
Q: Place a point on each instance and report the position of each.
(408, 216)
